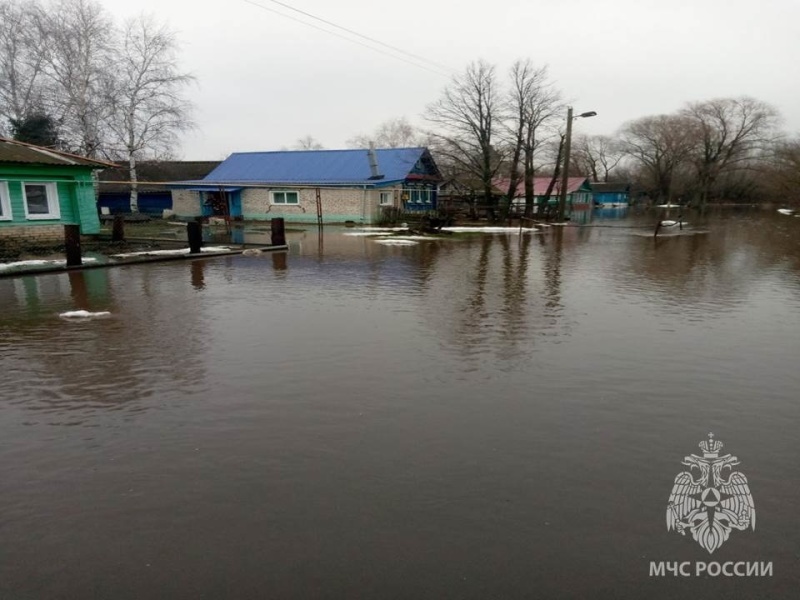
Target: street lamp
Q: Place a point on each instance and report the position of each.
(562, 199)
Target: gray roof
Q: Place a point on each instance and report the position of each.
(12, 151)
(115, 180)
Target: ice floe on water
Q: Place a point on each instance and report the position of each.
(39, 263)
(83, 314)
(396, 242)
(466, 229)
(368, 233)
(387, 231)
(170, 252)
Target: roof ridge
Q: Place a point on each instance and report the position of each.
(57, 153)
(325, 150)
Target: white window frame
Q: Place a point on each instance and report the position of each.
(389, 195)
(423, 195)
(272, 197)
(51, 192)
(5, 202)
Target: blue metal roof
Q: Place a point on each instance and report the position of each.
(316, 167)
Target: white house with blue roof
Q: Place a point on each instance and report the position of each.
(346, 185)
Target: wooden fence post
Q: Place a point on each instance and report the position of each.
(278, 232)
(194, 231)
(118, 229)
(72, 243)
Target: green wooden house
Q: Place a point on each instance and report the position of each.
(41, 190)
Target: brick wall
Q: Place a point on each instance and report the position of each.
(32, 234)
(186, 203)
(338, 205)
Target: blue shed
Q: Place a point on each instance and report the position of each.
(611, 194)
(154, 196)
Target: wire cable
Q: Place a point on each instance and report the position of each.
(439, 69)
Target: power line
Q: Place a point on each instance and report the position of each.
(366, 37)
(439, 69)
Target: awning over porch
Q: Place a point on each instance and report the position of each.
(213, 188)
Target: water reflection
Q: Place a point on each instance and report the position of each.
(721, 266)
(279, 262)
(198, 274)
(463, 417)
(82, 366)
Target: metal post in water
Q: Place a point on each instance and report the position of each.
(72, 244)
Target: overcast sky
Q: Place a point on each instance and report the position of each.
(264, 80)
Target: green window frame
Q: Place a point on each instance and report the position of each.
(285, 197)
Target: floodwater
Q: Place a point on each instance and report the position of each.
(495, 416)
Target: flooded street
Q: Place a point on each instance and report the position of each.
(487, 416)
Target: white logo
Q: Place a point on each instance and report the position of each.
(710, 506)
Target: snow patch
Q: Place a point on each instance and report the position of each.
(396, 242)
(170, 252)
(83, 314)
(368, 233)
(490, 229)
(39, 263)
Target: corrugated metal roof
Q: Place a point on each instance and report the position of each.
(316, 167)
(12, 151)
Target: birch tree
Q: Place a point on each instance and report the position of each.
(78, 36)
(22, 77)
(147, 106)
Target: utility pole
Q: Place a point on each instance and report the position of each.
(562, 198)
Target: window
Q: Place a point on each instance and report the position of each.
(285, 198)
(420, 196)
(387, 198)
(5, 202)
(41, 201)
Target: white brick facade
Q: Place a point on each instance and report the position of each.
(338, 204)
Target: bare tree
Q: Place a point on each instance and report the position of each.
(533, 104)
(660, 145)
(596, 155)
(21, 61)
(79, 54)
(394, 133)
(308, 142)
(781, 176)
(730, 132)
(148, 107)
(466, 116)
